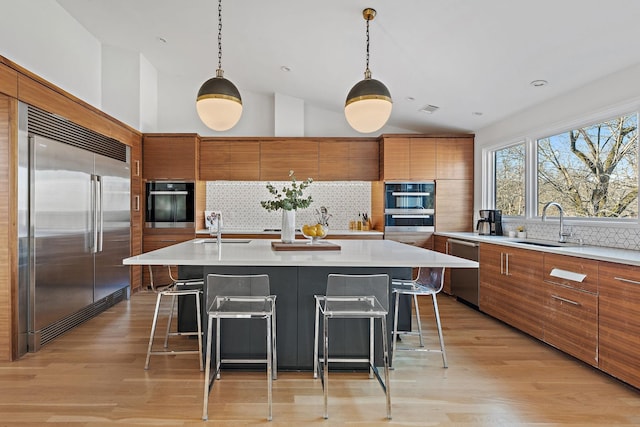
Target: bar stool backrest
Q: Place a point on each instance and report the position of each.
(431, 277)
(359, 285)
(236, 285)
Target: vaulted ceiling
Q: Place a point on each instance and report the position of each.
(474, 59)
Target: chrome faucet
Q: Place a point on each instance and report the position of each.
(218, 217)
(561, 233)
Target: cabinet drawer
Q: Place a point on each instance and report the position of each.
(571, 322)
(567, 264)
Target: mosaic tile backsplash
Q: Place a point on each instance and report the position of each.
(239, 203)
(612, 237)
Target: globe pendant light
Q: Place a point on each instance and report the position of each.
(369, 104)
(219, 104)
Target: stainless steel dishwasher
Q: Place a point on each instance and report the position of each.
(464, 281)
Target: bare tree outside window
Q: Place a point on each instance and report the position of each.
(592, 171)
(509, 180)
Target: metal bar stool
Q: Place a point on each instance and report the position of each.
(429, 282)
(239, 297)
(353, 297)
(177, 288)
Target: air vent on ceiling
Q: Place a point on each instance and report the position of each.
(429, 109)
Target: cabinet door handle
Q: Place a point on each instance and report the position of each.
(576, 303)
(137, 168)
(137, 203)
(507, 265)
(446, 247)
(169, 240)
(622, 279)
(501, 262)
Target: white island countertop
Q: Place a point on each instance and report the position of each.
(258, 252)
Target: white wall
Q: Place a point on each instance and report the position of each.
(148, 96)
(121, 84)
(616, 91)
(43, 38)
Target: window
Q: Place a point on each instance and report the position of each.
(591, 171)
(509, 166)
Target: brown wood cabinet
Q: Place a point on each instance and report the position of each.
(348, 160)
(454, 158)
(408, 158)
(8, 81)
(137, 217)
(570, 307)
(278, 157)
(232, 160)
(440, 245)
(619, 321)
(510, 286)
(170, 157)
(454, 205)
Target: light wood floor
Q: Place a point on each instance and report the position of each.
(94, 375)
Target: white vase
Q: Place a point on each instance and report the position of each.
(288, 233)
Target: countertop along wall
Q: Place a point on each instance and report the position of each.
(239, 202)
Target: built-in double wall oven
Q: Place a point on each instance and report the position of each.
(409, 206)
(170, 204)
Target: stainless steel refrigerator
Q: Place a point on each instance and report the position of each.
(78, 233)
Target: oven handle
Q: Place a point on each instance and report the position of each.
(168, 193)
(409, 193)
(410, 216)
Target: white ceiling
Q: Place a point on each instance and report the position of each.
(463, 56)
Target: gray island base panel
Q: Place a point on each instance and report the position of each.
(295, 278)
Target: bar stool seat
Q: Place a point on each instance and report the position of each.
(239, 297)
(353, 297)
(429, 282)
(177, 288)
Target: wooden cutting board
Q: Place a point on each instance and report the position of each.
(304, 246)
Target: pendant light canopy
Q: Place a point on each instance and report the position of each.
(219, 103)
(369, 104)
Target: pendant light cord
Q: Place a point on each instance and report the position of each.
(367, 72)
(220, 34)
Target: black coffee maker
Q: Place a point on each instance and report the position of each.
(490, 222)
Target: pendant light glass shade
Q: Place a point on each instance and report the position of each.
(369, 104)
(219, 103)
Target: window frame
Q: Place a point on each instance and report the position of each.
(531, 164)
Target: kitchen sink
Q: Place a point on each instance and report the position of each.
(545, 244)
(224, 241)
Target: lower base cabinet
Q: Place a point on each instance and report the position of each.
(510, 286)
(571, 322)
(619, 321)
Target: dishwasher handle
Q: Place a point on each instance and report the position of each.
(463, 242)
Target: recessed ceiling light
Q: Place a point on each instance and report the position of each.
(285, 68)
(539, 83)
(477, 113)
(410, 98)
(429, 109)
(161, 40)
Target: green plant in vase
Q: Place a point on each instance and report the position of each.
(289, 199)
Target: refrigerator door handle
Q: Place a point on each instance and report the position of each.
(100, 212)
(94, 225)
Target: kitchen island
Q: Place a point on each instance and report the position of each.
(295, 277)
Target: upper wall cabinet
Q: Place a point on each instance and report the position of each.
(8, 81)
(170, 156)
(348, 160)
(454, 158)
(229, 159)
(408, 159)
(279, 156)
